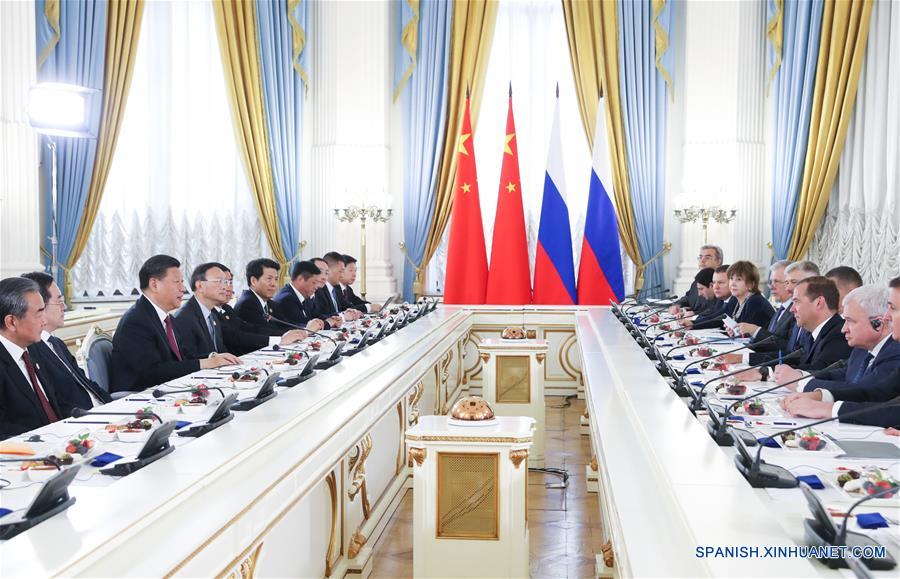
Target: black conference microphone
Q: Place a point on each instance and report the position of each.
(684, 372)
(651, 291)
(666, 333)
(718, 429)
(139, 414)
(160, 393)
(644, 290)
(654, 311)
(697, 397)
(296, 327)
(761, 474)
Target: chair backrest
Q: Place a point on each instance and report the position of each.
(95, 356)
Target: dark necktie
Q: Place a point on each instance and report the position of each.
(334, 295)
(864, 369)
(211, 326)
(347, 294)
(170, 334)
(774, 323)
(32, 376)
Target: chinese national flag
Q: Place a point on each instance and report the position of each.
(466, 255)
(509, 279)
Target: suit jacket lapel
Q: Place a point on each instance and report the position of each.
(12, 370)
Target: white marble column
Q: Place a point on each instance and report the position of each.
(723, 116)
(20, 227)
(350, 138)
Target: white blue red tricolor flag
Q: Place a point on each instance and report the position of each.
(600, 276)
(554, 267)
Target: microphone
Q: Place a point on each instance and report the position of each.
(140, 413)
(655, 290)
(50, 460)
(698, 396)
(718, 429)
(664, 322)
(654, 311)
(645, 291)
(296, 327)
(666, 333)
(761, 474)
(196, 390)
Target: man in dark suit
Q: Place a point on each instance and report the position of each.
(295, 299)
(73, 389)
(348, 278)
(239, 336)
(255, 305)
(815, 307)
(724, 303)
(326, 303)
(876, 385)
(846, 279)
(710, 256)
(330, 297)
(147, 347)
(27, 399)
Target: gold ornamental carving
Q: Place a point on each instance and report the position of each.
(586, 414)
(540, 357)
(531, 334)
(412, 406)
(609, 556)
(357, 542)
(485, 357)
(517, 456)
(247, 568)
(333, 552)
(594, 466)
(357, 472)
(417, 454)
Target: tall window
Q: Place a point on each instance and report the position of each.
(530, 50)
(177, 184)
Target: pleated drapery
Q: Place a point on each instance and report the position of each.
(845, 30)
(237, 31)
(283, 85)
(424, 103)
(470, 43)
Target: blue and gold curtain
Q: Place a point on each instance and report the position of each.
(421, 85)
(91, 44)
(645, 67)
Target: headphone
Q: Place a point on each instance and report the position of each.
(876, 323)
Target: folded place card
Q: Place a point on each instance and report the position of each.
(678, 357)
(871, 521)
(812, 480)
(4, 512)
(104, 459)
(693, 371)
(770, 442)
(181, 424)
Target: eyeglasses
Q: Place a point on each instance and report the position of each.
(60, 303)
(777, 282)
(225, 282)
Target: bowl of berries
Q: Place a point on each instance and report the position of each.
(251, 375)
(315, 345)
(654, 319)
(679, 334)
(287, 363)
(82, 444)
(691, 340)
(807, 440)
(754, 407)
(134, 430)
(735, 389)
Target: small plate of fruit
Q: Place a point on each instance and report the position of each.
(859, 482)
(754, 407)
(808, 439)
(42, 470)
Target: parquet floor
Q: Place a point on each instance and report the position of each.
(563, 524)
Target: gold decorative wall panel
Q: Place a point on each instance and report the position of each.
(468, 496)
(513, 379)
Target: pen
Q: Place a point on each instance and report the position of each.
(137, 400)
(85, 422)
(779, 357)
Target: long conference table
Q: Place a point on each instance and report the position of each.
(304, 484)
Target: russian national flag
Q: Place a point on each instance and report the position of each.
(600, 277)
(554, 267)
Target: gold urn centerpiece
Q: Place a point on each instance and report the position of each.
(471, 411)
(513, 333)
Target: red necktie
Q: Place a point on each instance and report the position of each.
(170, 333)
(32, 376)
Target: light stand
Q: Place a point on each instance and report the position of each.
(364, 213)
(695, 213)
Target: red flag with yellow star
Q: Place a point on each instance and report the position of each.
(509, 279)
(467, 269)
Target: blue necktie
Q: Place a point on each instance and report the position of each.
(864, 368)
(775, 319)
(334, 295)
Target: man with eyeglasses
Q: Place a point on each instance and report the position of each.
(73, 388)
(203, 327)
(710, 257)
